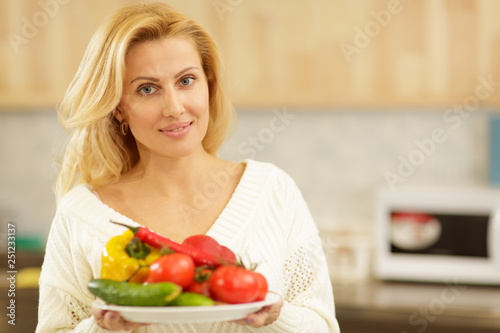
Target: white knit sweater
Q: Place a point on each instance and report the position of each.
(266, 221)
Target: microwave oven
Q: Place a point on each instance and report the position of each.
(438, 235)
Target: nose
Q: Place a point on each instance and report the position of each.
(172, 105)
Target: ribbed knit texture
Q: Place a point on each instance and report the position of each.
(266, 222)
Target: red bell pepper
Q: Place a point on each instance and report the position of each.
(199, 257)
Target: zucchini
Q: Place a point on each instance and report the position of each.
(134, 294)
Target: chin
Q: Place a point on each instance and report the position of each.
(180, 152)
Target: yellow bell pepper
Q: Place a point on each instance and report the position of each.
(118, 265)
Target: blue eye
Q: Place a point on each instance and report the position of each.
(147, 90)
(187, 81)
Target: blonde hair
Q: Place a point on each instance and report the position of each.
(96, 153)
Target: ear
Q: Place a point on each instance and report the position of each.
(118, 115)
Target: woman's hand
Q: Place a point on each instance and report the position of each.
(265, 316)
(112, 320)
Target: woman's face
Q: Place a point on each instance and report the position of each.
(165, 97)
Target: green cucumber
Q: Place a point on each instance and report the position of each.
(191, 299)
(134, 294)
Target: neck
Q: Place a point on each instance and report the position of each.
(172, 176)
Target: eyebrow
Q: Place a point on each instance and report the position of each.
(155, 79)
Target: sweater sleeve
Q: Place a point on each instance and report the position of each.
(64, 304)
(61, 312)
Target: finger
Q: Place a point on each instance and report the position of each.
(267, 315)
(257, 319)
(240, 322)
(98, 316)
(115, 322)
(111, 321)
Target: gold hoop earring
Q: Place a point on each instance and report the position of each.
(123, 128)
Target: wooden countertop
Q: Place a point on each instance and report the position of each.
(413, 307)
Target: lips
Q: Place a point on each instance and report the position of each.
(176, 127)
(177, 130)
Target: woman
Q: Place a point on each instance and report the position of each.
(148, 113)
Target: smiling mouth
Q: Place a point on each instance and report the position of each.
(178, 129)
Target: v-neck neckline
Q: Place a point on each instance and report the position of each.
(235, 214)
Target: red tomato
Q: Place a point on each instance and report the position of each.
(176, 267)
(262, 287)
(202, 288)
(233, 284)
(201, 283)
(208, 244)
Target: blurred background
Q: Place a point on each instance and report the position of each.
(340, 94)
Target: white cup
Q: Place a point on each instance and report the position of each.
(348, 254)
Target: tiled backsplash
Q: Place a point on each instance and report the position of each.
(28, 142)
(338, 158)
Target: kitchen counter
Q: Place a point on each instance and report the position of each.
(24, 294)
(373, 307)
(383, 307)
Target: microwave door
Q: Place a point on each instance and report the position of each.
(494, 239)
(440, 234)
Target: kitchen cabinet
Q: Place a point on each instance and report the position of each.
(328, 54)
(381, 307)
(42, 44)
(280, 53)
(26, 312)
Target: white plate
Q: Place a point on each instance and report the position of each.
(188, 314)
